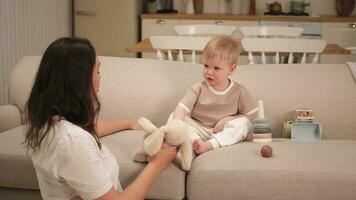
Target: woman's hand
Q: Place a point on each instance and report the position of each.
(135, 126)
(142, 184)
(164, 157)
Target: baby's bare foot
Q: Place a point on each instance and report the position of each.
(200, 146)
(196, 144)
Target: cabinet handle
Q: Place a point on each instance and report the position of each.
(85, 12)
(352, 25)
(160, 21)
(219, 23)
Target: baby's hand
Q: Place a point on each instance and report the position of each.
(219, 126)
(221, 123)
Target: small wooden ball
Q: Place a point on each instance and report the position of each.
(266, 151)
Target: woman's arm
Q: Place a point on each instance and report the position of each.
(142, 184)
(107, 127)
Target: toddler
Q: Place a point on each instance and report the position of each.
(217, 110)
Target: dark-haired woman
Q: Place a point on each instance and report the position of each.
(63, 130)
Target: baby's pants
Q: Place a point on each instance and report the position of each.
(234, 131)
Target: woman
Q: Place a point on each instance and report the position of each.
(63, 130)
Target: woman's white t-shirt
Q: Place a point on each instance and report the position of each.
(70, 165)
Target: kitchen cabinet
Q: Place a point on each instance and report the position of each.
(341, 33)
(152, 27)
(337, 30)
(110, 26)
(166, 26)
(237, 34)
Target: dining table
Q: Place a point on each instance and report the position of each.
(145, 46)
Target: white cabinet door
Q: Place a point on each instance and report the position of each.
(158, 27)
(166, 26)
(343, 34)
(152, 27)
(237, 34)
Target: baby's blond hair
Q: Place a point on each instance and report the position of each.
(223, 46)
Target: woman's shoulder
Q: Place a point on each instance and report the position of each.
(70, 129)
(73, 141)
(71, 133)
(65, 141)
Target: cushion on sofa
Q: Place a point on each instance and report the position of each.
(15, 165)
(171, 183)
(21, 81)
(297, 170)
(328, 89)
(10, 117)
(131, 88)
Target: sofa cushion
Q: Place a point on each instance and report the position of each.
(171, 183)
(10, 117)
(17, 170)
(297, 170)
(131, 88)
(328, 89)
(21, 81)
(15, 165)
(19, 194)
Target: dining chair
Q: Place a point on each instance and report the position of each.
(283, 45)
(204, 30)
(271, 31)
(178, 44)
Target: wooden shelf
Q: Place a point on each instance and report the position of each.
(146, 47)
(323, 18)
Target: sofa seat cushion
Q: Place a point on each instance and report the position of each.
(17, 170)
(171, 183)
(297, 170)
(15, 165)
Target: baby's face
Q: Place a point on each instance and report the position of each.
(216, 70)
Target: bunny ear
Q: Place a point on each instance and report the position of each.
(146, 125)
(153, 143)
(186, 155)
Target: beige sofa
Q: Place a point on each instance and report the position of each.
(131, 88)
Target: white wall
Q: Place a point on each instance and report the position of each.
(27, 27)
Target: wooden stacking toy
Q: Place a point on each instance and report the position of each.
(261, 126)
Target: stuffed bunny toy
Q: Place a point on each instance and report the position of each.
(173, 133)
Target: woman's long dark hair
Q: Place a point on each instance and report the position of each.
(63, 87)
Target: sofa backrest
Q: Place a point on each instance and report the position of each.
(328, 89)
(21, 81)
(132, 87)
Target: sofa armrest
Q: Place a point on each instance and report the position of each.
(10, 117)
